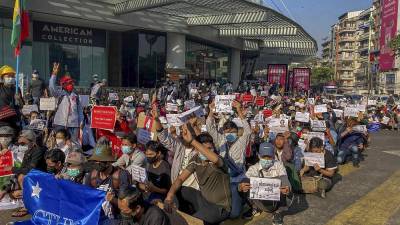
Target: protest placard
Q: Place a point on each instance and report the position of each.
(223, 103)
(311, 159)
(173, 120)
(318, 125)
(371, 102)
(193, 91)
(278, 125)
(37, 124)
(190, 104)
(197, 111)
(320, 108)
(267, 113)
(144, 136)
(311, 135)
(27, 109)
(238, 122)
(48, 104)
(260, 101)
(171, 107)
(361, 108)
(138, 173)
(311, 101)
(84, 100)
(385, 120)
(259, 117)
(360, 128)
(113, 96)
(163, 120)
(104, 117)
(146, 97)
(247, 98)
(265, 189)
(338, 112)
(351, 111)
(263, 93)
(6, 164)
(8, 203)
(302, 117)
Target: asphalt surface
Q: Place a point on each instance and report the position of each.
(369, 195)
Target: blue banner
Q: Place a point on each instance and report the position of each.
(53, 201)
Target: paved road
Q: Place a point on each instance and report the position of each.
(368, 195)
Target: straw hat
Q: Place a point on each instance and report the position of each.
(7, 70)
(102, 153)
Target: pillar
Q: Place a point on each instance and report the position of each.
(235, 72)
(176, 51)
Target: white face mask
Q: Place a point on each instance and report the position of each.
(9, 80)
(5, 141)
(23, 148)
(60, 142)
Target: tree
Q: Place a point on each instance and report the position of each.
(321, 75)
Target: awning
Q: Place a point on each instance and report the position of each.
(260, 27)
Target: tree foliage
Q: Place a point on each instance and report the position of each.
(321, 75)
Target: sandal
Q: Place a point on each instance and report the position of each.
(20, 213)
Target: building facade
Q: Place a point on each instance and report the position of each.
(138, 43)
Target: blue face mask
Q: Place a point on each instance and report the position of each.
(266, 163)
(126, 149)
(231, 137)
(202, 157)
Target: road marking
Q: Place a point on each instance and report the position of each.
(397, 153)
(375, 208)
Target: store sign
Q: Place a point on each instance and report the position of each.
(388, 32)
(277, 73)
(68, 34)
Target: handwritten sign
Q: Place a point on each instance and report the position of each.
(6, 164)
(265, 189)
(351, 111)
(318, 125)
(144, 136)
(48, 104)
(223, 103)
(138, 173)
(104, 117)
(320, 108)
(27, 109)
(311, 159)
(302, 117)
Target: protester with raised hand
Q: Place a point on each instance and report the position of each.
(69, 112)
(212, 203)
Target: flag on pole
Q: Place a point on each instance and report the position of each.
(20, 25)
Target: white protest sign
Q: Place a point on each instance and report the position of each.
(320, 108)
(314, 158)
(84, 100)
(311, 101)
(144, 136)
(263, 93)
(351, 111)
(318, 125)
(146, 97)
(27, 109)
(259, 117)
(360, 128)
(113, 96)
(171, 107)
(198, 111)
(163, 120)
(7, 203)
(311, 135)
(361, 108)
(343, 104)
(302, 117)
(37, 124)
(385, 120)
(190, 104)
(338, 112)
(278, 125)
(193, 91)
(138, 173)
(173, 120)
(371, 102)
(47, 104)
(223, 103)
(265, 189)
(238, 122)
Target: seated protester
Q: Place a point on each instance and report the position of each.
(330, 139)
(131, 154)
(268, 167)
(63, 141)
(297, 151)
(73, 170)
(6, 144)
(105, 177)
(55, 159)
(316, 173)
(158, 174)
(351, 143)
(283, 151)
(136, 211)
(33, 159)
(212, 203)
(232, 148)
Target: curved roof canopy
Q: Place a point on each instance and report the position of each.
(261, 28)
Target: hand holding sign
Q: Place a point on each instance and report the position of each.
(314, 158)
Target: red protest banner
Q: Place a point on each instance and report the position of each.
(6, 164)
(247, 98)
(260, 101)
(267, 113)
(104, 117)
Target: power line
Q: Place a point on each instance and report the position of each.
(276, 6)
(287, 9)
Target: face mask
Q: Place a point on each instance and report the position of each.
(5, 141)
(151, 160)
(69, 87)
(231, 137)
(23, 148)
(298, 129)
(266, 163)
(60, 142)
(202, 157)
(51, 170)
(9, 80)
(73, 172)
(126, 149)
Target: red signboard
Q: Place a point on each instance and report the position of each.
(247, 98)
(277, 73)
(267, 113)
(260, 101)
(6, 164)
(388, 32)
(301, 79)
(104, 117)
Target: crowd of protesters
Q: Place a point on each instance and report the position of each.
(202, 162)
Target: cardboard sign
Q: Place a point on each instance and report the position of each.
(6, 164)
(144, 136)
(247, 98)
(27, 109)
(302, 117)
(311, 101)
(314, 158)
(113, 96)
(278, 125)
(260, 101)
(138, 173)
(171, 107)
(173, 120)
(104, 117)
(320, 108)
(223, 103)
(84, 100)
(318, 125)
(190, 104)
(48, 104)
(351, 111)
(265, 189)
(338, 112)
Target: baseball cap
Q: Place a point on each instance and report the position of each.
(266, 149)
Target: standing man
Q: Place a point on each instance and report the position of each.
(37, 88)
(69, 113)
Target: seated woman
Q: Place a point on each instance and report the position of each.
(73, 169)
(158, 174)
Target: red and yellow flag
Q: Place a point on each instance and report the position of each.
(20, 25)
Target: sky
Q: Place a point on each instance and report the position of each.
(317, 16)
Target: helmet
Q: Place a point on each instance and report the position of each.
(6, 70)
(65, 80)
